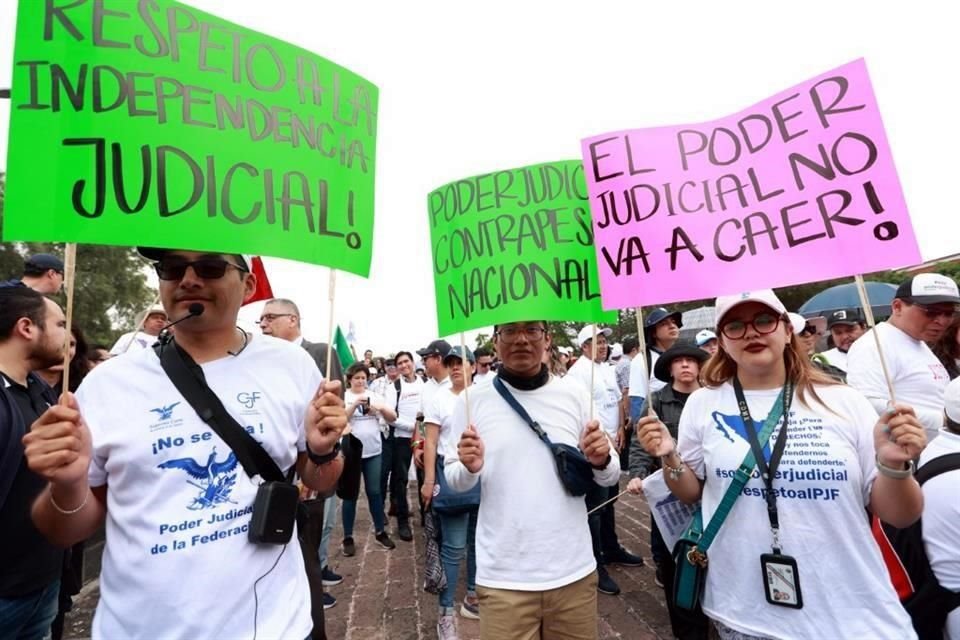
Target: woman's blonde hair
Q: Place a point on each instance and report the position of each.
(721, 368)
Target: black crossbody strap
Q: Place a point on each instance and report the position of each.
(187, 376)
(516, 406)
(942, 464)
(397, 385)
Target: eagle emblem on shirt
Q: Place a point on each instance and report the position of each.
(214, 480)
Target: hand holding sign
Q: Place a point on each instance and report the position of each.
(595, 444)
(899, 436)
(470, 449)
(58, 446)
(654, 437)
(326, 418)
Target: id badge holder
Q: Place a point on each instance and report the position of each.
(781, 580)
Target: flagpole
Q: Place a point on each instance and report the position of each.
(467, 373)
(331, 295)
(69, 277)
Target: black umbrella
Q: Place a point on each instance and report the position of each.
(846, 296)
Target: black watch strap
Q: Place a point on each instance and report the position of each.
(324, 459)
(606, 463)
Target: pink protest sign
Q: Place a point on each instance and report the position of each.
(798, 188)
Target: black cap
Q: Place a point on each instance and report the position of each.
(662, 368)
(436, 348)
(844, 316)
(155, 254)
(44, 261)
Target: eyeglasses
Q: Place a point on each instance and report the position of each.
(510, 334)
(762, 323)
(933, 314)
(206, 268)
(270, 317)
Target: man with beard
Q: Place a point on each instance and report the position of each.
(845, 326)
(536, 576)
(32, 332)
(922, 309)
(179, 560)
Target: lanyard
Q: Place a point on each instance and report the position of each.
(767, 470)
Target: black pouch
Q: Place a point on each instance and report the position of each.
(574, 469)
(274, 513)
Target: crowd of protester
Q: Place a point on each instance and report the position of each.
(517, 448)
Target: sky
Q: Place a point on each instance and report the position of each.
(471, 87)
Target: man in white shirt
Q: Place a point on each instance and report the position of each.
(485, 372)
(177, 559)
(438, 377)
(143, 337)
(941, 508)
(280, 318)
(594, 369)
(406, 398)
(845, 327)
(922, 309)
(535, 571)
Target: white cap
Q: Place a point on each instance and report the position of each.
(951, 400)
(763, 296)
(156, 310)
(705, 336)
(565, 350)
(929, 288)
(373, 371)
(798, 322)
(586, 334)
(616, 351)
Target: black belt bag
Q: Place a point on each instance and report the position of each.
(275, 507)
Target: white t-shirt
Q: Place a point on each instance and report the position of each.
(440, 412)
(484, 378)
(836, 358)
(531, 534)
(639, 377)
(366, 428)
(177, 562)
(140, 340)
(410, 405)
(824, 482)
(430, 388)
(941, 522)
(606, 391)
(919, 378)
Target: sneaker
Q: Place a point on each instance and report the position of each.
(331, 579)
(447, 628)
(385, 540)
(623, 557)
(605, 583)
(328, 600)
(404, 532)
(470, 607)
(348, 547)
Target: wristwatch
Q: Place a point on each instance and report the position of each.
(601, 467)
(325, 458)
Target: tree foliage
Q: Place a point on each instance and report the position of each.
(111, 285)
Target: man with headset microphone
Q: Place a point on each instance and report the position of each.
(193, 548)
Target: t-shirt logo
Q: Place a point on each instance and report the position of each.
(727, 424)
(215, 480)
(165, 417)
(165, 413)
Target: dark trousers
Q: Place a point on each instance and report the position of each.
(625, 453)
(310, 530)
(603, 528)
(658, 548)
(395, 470)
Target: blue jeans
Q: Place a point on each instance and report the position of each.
(29, 617)
(457, 533)
(329, 520)
(370, 470)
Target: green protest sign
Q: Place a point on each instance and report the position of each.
(154, 123)
(514, 245)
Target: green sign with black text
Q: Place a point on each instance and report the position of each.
(514, 245)
(153, 123)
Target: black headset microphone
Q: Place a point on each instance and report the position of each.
(195, 309)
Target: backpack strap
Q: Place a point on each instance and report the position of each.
(396, 407)
(941, 464)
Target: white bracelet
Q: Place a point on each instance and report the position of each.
(69, 512)
(896, 474)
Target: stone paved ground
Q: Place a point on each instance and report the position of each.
(381, 596)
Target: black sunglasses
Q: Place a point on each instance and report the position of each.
(206, 268)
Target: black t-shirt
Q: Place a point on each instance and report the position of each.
(27, 561)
